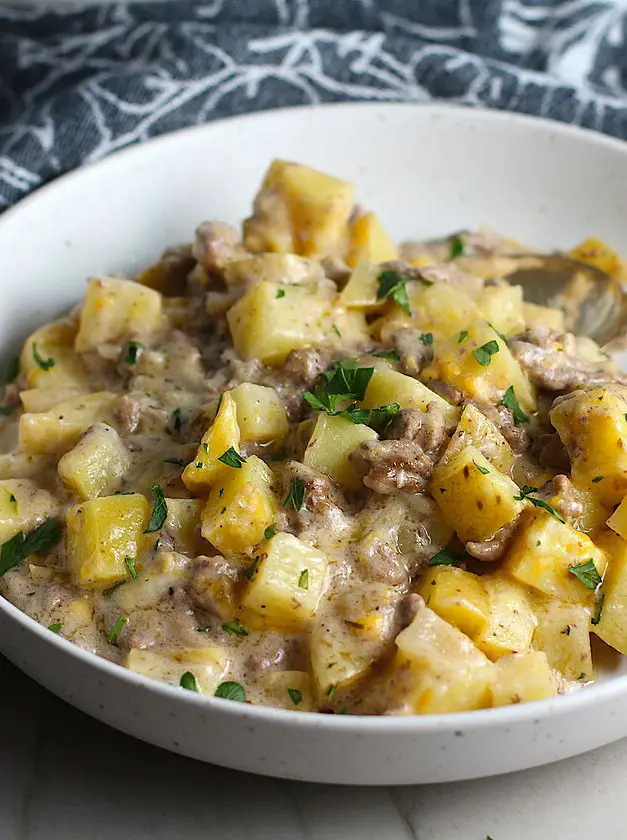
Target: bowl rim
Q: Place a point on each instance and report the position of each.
(572, 703)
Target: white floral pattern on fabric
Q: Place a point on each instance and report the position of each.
(77, 85)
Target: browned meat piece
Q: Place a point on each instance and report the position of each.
(494, 549)
(272, 652)
(324, 509)
(564, 498)
(446, 391)
(426, 428)
(394, 465)
(216, 245)
(213, 586)
(336, 270)
(127, 413)
(169, 275)
(550, 452)
(379, 560)
(502, 417)
(409, 607)
(302, 367)
(414, 354)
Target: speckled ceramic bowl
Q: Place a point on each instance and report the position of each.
(428, 170)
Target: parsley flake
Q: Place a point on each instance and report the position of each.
(176, 419)
(231, 691)
(250, 571)
(526, 489)
(296, 495)
(481, 469)
(462, 336)
(331, 693)
(510, 401)
(392, 285)
(21, 546)
(446, 557)
(597, 478)
(280, 293)
(336, 330)
(117, 629)
(232, 458)
(587, 573)
(159, 511)
(178, 462)
(188, 681)
(295, 695)
(130, 565)
(456, 245)
(44, 364)
(426, 338)
(235, 627)
(270, 531)
(56, 627)
(484, 354)
(303, 579)
(391, 355)
(133, 350)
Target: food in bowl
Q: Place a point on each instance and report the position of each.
(304, 468)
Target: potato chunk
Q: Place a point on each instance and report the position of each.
(474, 497)
(287, 690)
(288, 583)
(597, 252)
(543, 316)
(261, 414)
(502, 306)
(240, 507)
(101, 533)
(474, 429)
(360, 292)
(205, 469)
(49, 360)
(389, 386)
(511, 620)
(114, 309)
(612, 624)
(183, 523)
(331, 443)
(207, 664)
(563, 633)
(521, 677)
(593, 428)
(97, 464)
(38, 400)
(457, 596)
(23, 506)
(368, 240)
(56, 431)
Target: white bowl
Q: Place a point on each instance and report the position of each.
(428, 170)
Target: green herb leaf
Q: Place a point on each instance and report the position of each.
(270, 531)
(231, 691)
(56, 627)
(250, 571)
(392, 285)
(331, 692)
(296, 495)
(111, 589)
(526, 489)
(587, 573)
(159, 511)
(232, 458)
(21, 546)
(204, 629)
(130, 565)
(377, 418)
(509, 401)
(481, 469)
(178, 462)
(336, 330)
(280, 293)
(44, 364)
(346, 380)
(391, 355)
(597, 478)
(456, 246)
(117, 629)
(133, 349)
(188, 681)
(176, 419)
(9, 371)
(462, 336)
(303, 579)
(235, 627)
(296, 695)
(484, 354)
(426, 338)
(446, 557)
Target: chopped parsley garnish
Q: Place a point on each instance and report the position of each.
(392, 285)
(203, 629)
(56, 627)
(526, 489)
(331, 693)
(600, 597)
(235, 627)
(336, 330)
(484, 354)
(509, 401)
(456, 244)
(426, 338)
(21, 546)
(296, 495)
(597, 478)
(587, 573)
(303, 579)
(391, 355)
(481, 469)
(44, 364)
(188, 681)
(346, 381)
(462, 336)
(111, 589)
(12, 499)
(178, 462)
(250, 571)
(176, 419)
(377, 418)
(446, 557)
(159, 511)
(232, 458)
(130, 565)
(231, 691)
(270, 531)
(280, 293)
(117, 629)
(295, 695)
(133, 348)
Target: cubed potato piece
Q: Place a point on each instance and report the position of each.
(502, 306)
(59, 366)
(361, 290)
(101, 533)
(543, 316)
(521, 677)
(23, 506)
(594, 512)
(347, 331)
(457, 596)
(205, 468)
(511, 619)
(207, 664)
(330, 446)
(287, 690)
(37, 400)
(593, 428)
(239, 508)
(456, 364)
(261, 414)
(612, 624)
(271, 320)
(288, 582)
(389, 386)
(441, 309)
(618, 520)
(595, 251)
(368, 240)
(286, 269)
(183, 523)
(299, 209)
(474, 429)
(97, 464)
(474, 497)
(56, 431)
(563, 633)
(114, 309)
(542, 553)
(18, 465)
(438, 669)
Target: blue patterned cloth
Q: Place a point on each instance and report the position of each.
(75, 85)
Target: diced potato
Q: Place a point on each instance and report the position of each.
(59, 365)
(563, 633)
(368, 240)
(511, 620)
(474, 429)
(146, 591)
(270, 320)
(457, 596)
(261, 414)
(542, 552)
(97, 464)
(37, 400)
(114, 309)
(361, 290)
(207, 664)
(347, 328)
(594, 511)
(287, 690)
(288, 582)
(205, 468)
(441, 309)
(456, 364)
(521, 677)
(502, 306)
(23, 506)
(286, 269)
(618, 520)
(56, 431)
(101, 533)
(543, 316)
(596, 252)
(18, 465)
(329, 449)
(299, 210)
(240, 507)
(474, 497)
(389, 386)
(183, 523)
(612, 626)
(593, 428)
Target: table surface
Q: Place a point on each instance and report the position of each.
(65, 776)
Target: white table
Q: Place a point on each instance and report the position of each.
(64, 776)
